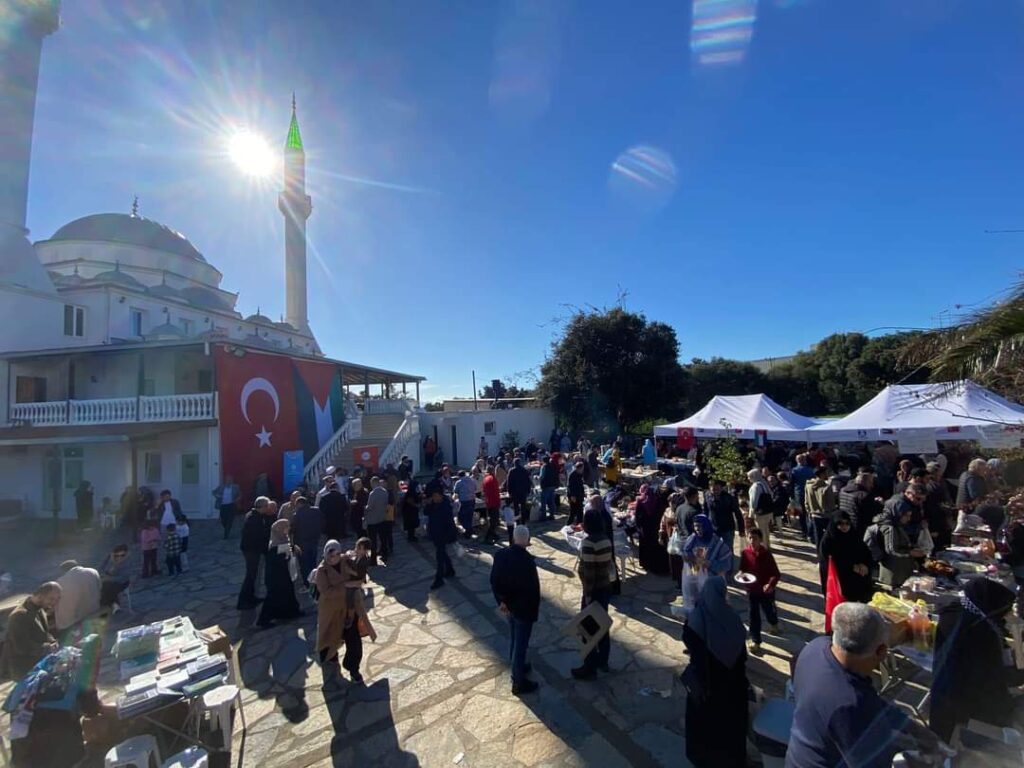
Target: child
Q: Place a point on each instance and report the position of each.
(172, 550)
(759, 562)
(182, 530)
(149, 539)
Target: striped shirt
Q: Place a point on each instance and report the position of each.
(596, 566)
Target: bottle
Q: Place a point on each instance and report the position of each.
(920, 627)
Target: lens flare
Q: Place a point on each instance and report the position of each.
(722, 30)
(645, 176)
(251, 153)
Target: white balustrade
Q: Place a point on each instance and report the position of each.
(117, 410)
(373, 407)
(110, 410)
(315, 468)
(40, 414)
(177, 407)
(409, 431)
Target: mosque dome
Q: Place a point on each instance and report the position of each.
(115, 275)
(129, 230)
(259, 318)
(201, 297)
(164, 291)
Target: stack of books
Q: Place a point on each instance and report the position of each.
(144, 701)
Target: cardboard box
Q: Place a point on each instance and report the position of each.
(216, 641)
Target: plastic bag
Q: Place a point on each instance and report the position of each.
(675, 544)
(508, 515)
(924, 541)
(293, 568)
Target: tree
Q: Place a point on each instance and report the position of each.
(725, 459)
(718, 376)
(880, 364)
(498, 390)
(987, 346)
(612, 366)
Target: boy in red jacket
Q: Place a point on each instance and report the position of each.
(759, 562)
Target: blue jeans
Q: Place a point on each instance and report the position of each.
(548, 501)
(818, 527)
(599, 656)
(518, 643)
(467, 510)
(444, 562)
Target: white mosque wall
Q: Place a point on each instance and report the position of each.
(29, 320)
(146, 265)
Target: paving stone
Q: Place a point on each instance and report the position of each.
(489, 718)
(422, 687)
(363, 714)
(665, 746)
(533, 743)
(437, 746)
(410, 634)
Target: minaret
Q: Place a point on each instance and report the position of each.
(296, 206)
(23, 25)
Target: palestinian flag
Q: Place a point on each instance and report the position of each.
(319, 403)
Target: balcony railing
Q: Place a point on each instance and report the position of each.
(401, 405)
(117, 410)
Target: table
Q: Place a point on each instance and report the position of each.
(892, 676)
(637, 476)
(623, 548)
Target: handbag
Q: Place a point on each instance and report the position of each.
(389, 514)
(293, 568)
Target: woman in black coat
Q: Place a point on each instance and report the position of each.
(280, 603)
(716, 681)
(971, 680)
(851, 556)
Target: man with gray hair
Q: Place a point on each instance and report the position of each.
(516, 589)
(840, 721)
(255, 540)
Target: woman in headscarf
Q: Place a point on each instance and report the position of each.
(851, 557)
(971, 680)
(715, 680)
(650, 455)
(653, 557)
(280, 603)
(341, 615)
(706, 551)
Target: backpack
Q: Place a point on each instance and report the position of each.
(873, 539)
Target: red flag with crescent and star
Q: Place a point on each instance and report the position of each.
(256, 403)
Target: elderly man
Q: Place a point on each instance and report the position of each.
(255, 540)
(516, 589)
(28, 637)
(973, 485)
(840, 721)
(81, 589)
(375, 516)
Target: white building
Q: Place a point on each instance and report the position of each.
(114, 331)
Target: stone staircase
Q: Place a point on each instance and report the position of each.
(378, 429)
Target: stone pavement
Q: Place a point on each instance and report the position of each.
(437, 691)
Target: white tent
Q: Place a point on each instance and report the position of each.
(951, 411)
(741, 416)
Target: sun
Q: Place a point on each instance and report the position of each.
(251, 153)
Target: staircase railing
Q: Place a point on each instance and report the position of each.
(409, 431)
(315, 467)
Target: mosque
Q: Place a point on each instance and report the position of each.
(124, 362)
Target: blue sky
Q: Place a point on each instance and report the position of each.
(788, 169)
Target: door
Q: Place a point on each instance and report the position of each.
(188, 493)
(454, 461)
(53, 482)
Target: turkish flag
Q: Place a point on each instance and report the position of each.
(366, 456)
(257, 414)
(833, 594)
(684, 438)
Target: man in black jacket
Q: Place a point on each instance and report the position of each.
(548, 486)
(724, 511)
(857, 499)
(516, 589)
(689, 509)
(576, 493)
(255, 541)
(334, 508)
(519, 485)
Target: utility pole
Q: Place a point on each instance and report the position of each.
(474, 390)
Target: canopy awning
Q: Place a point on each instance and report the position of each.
(742, 416)
(949, 411)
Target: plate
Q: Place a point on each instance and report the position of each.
(744, 578)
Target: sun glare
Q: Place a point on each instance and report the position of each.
(251, 153)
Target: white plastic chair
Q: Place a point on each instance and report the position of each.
(136, 752)
(218, 703)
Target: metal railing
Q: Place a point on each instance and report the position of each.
(117, 410)
(409, 431)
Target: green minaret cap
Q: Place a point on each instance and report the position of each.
(294, 140)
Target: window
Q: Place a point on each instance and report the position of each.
(30, 389)
(153, 467)
(135, 317)
(186, 325)
(490, 428)
(74, 467)
(74, 320)
(190, 469)
(205, 381)
(148, 387)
